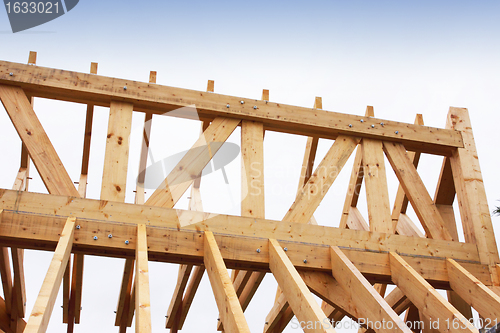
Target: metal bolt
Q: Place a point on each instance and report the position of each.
(126, 242)
(362, 121)
(95, 237)
(125, 88)
(373, 126)
(305, 261)
(242, 102)
(267, 323)
(350, 125)
(227, 106)
(381, 124)
(285, 249)
(110, 236)
(397, 132)
(78, 227)
(258, 250)
(255, 107)
(11, 74)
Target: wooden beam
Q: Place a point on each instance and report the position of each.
(323, 177)
(43, 154)
(230, 311)
(142, 303)
(124, 300)
(114, 176)
(194, 282)
(99, 90)
(471, 195)
(475, 293)
(294, 289)
(356, 180)
(35, 210)
(415, 189)
(368, 301)
(19, 289)
(426, 298)
(6, 274)
(5, 320)
(175, 304)
(377, 193)
(401, 202)
(279, 316)
(40, 315)
(193, 163)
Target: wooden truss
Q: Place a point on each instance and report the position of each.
(347, 267)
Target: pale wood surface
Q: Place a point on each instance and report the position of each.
(142, 302)
(40, 315)
(99, 90)
(230, 311)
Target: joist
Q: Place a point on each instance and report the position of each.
(230, 311)
(367, 300)
(42, 310)
(297, 294)
(193, 163)
(99, 90)
(142, 302)
(427, 299)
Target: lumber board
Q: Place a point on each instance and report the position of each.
(114, 176)
(193, 163)
(124, 299)
(142, 302)
(19, 288)
(230, 311)
(42, 310)
(31, 132)
(297, 294)
(367, 300)
(6, 275)
(475, 293)
(356, 180)
(193, 285)
(377, 193)
(147, 97)
(279, 312)
(427, 299)
(323, 177)
(176, 303)
(415, 189)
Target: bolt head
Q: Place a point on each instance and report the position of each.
(11, 74)
(110, 236)
(95, 237)
(227, 106)
(285, 249)
(373, 126)
(242, 102)
(305, 261)
(125, 88)
(126, 242)
(397, 132)
(350, 125)
(255, 107)
(362, 120)
(78, 227)
(381, 124)
(258, 250)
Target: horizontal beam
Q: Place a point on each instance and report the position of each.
(33, 220)
(100, 90)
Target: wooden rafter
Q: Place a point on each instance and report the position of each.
(142, 303)
(426, 298)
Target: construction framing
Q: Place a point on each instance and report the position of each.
(348, 267)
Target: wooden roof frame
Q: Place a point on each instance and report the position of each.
(347, 267)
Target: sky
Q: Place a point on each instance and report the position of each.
(402, 57)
